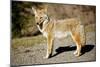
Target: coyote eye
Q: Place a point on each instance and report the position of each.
(40, 17)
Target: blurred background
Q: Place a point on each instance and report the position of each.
(23, 22)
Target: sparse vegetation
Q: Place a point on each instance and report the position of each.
(90, 28)
(27, 41)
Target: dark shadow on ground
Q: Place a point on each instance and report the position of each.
(85, 49)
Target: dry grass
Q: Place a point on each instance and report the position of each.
(27, 41)
(90, 28)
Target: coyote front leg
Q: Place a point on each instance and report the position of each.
(49, 46)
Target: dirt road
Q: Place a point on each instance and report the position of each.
(62, 53)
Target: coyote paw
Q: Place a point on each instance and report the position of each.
(76, 53)
(46, 57)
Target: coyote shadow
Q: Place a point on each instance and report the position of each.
(85, 49)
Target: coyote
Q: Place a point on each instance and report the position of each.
(52, 29)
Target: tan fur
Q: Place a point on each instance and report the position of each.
(52, 28)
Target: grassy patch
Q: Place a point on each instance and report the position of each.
(90, 28)
(27, 41)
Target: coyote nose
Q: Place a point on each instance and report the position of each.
(37, 23)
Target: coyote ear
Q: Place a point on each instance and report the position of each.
(45, 8)
(34, 10)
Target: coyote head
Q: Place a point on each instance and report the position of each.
(40, 15)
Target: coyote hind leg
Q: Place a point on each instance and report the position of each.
(76, 38)
(82, 35)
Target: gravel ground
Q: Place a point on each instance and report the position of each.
(62, 53)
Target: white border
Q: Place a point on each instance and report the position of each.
(5, 35)
(82, 2)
